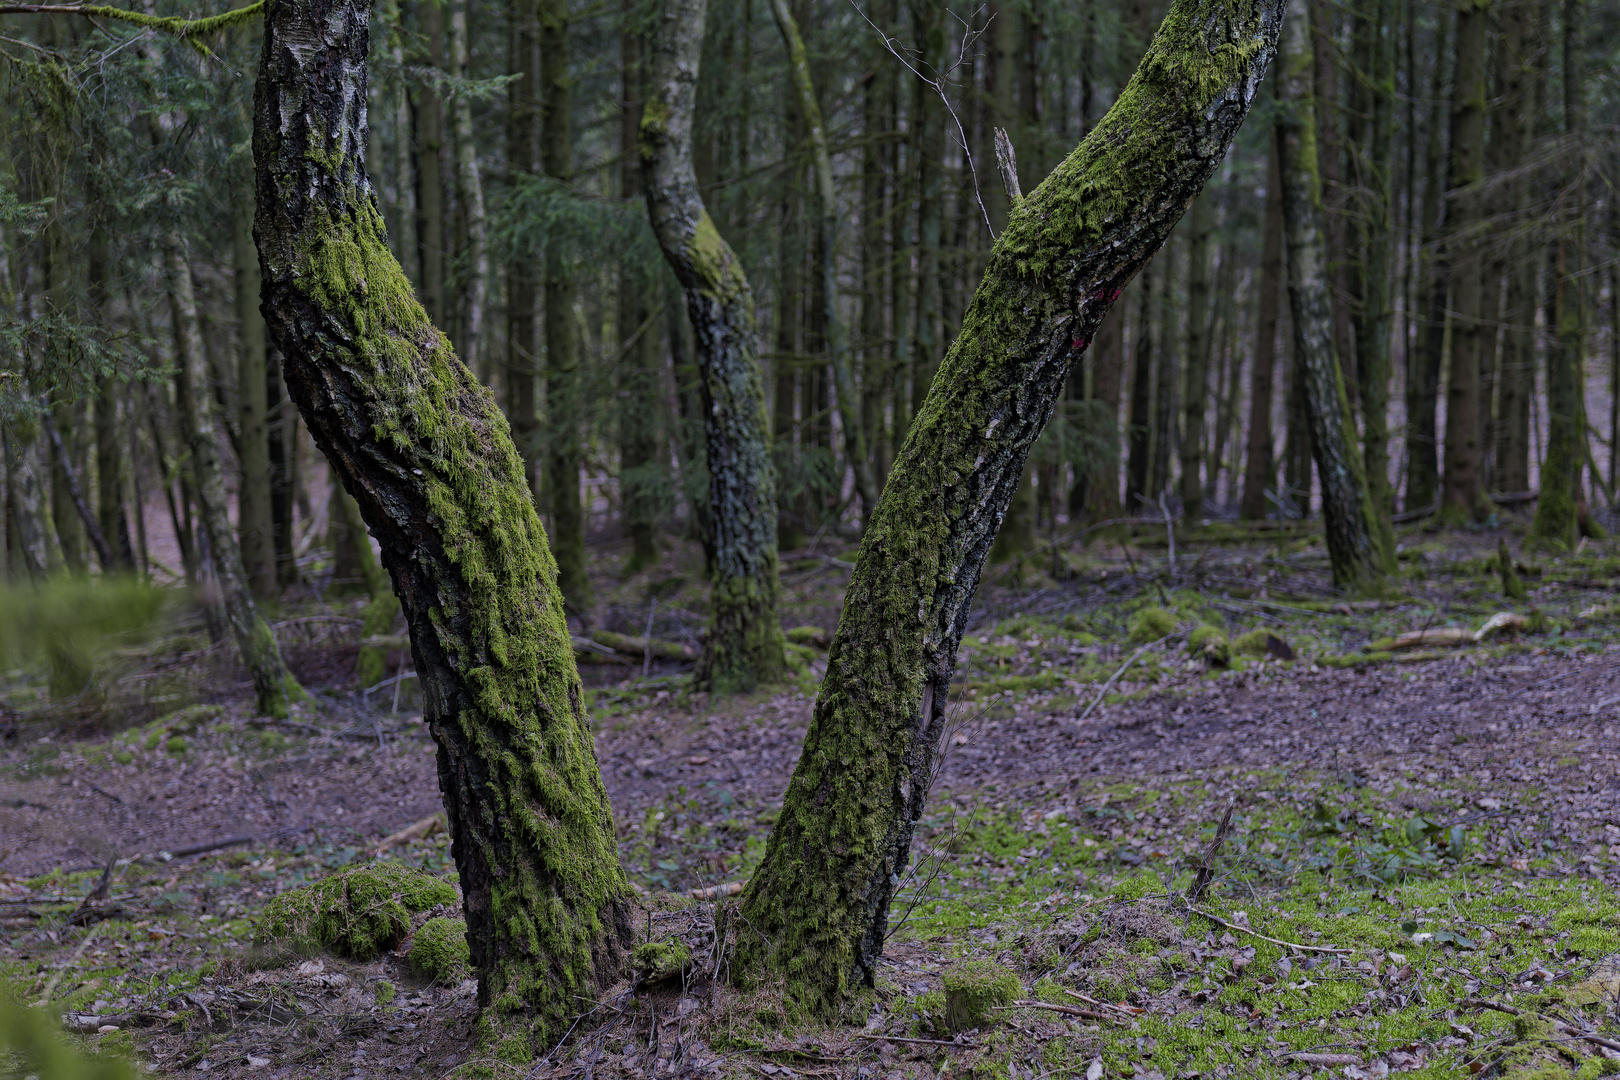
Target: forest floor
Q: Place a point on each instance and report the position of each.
(1421, 874)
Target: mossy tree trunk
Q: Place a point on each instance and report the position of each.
(1352, 538)
(744, 647)
(32, 539)
(274, 689)
(429, 458)
(817, 910)
(827, 225)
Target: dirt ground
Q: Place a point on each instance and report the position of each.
(1517, 741)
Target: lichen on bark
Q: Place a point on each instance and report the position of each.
(816, 913)
(430, 460)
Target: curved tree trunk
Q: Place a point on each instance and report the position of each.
(817, 910)
(273, 687)
(827, 222)
(744, 649)
(1352, 538)
(428, 456)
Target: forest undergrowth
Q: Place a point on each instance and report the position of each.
(1405, 852)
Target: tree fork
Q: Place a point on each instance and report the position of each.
(816, 913)
(429, 458)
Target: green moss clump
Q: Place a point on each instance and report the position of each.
(124, 757)
(1208, 643)
(659, 960)
(1256, 642)
(176, 745)
(809, 635)
(1151, 624)
(439, 951)
(189, 719)
(359, 912)
(384, 993)
(975, 988)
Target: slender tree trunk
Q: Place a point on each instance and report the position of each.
(521, 294)
(1434, 286)
(1512, 128)
(1139, 437)
(928, 154)
(469, 180)
(1372, 271)
(403, 229)
(255, 517)
(1108, 360)
(273, 687)
(1166, 330)
(640, 358)
(281, 428)
(744, 647)
(877, 374)
(430, 170)
(1352, 539)
(1558, 523)
(1259, 470)
(429, 458)
(817, 911)
(111, 515)
(33, 538)
(564, 399)
(1195, 394)
(1462, 495)
(827, 222)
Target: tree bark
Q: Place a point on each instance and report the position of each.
(1512, 126)
(33, 540)
(827, 222)
(1352, 540)
(430, 171)
(564, 404)
(274, 689)
(428, 456)
(1462, 492)
(1259, 470)
(817, 910)
(1139, 417)
(745, 645)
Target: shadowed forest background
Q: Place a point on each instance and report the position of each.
(1280, 737)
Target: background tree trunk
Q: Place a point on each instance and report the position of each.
(429, 458)
(1358, 564)
(640, 358)
(1259, 470)
(255, 518)
(564, 401)
(817, 909)
(1196, 391)
(744, 646)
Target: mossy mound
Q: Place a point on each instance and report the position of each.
(1151, 624)
(809, 635)
(359, 912)
(439, 951)
(974, 989)
(1208, 643)
(659, 960)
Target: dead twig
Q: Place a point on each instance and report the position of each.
(1206, 865)
(1568, 1029)
(1217, 920)
(922, 1042)
(1112, 679)
(1066, 1010)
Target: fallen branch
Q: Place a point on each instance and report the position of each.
(1217, 920)
(1505, 622)
(1306, 1058)
(1115, 676)
(1567, 1029)
(922, 1042)
(730, 888)
(433, 823)
(1066, 1010)
(1128, 1010)
(203, 849)
(642, 646)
